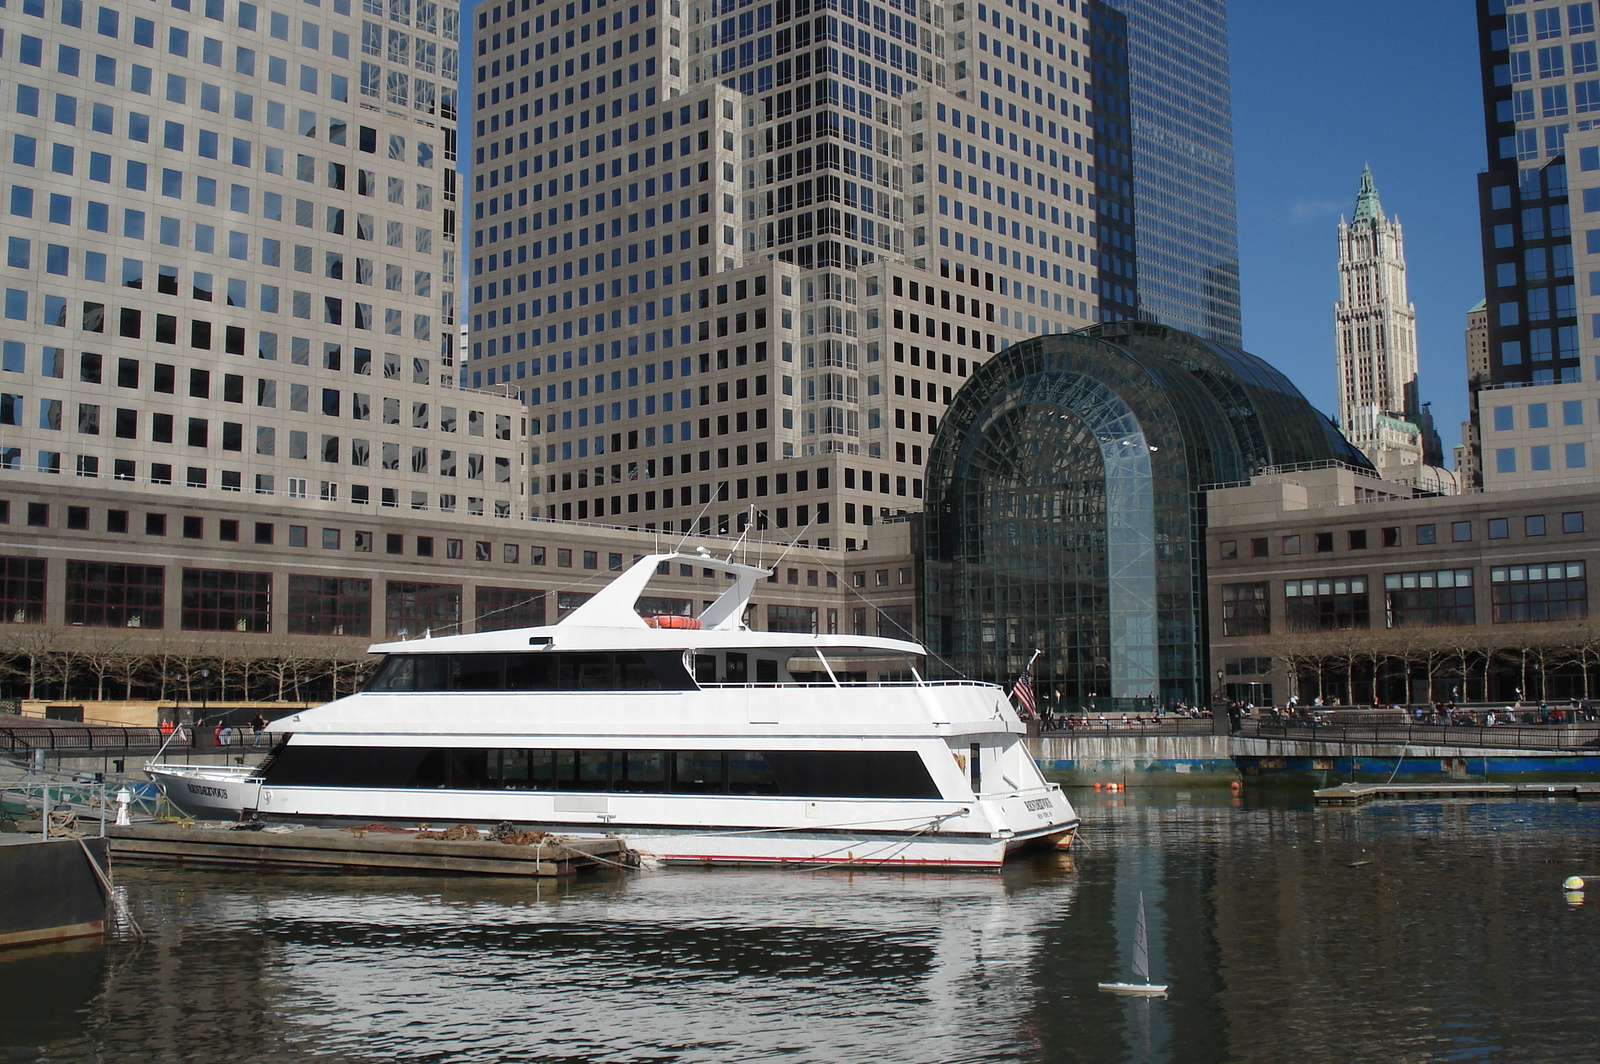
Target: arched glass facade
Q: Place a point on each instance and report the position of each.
(1063, 511)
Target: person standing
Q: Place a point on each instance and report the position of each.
(258, 724)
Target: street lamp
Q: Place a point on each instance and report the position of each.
(205, 685)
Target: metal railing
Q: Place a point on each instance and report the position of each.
(1576, 737)
(1163, 726)
(111, 741)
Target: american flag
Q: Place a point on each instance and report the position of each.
(1022, 692)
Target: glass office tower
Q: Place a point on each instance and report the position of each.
(1186, 229)
(1540, 69)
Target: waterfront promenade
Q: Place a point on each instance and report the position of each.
(1132, 751)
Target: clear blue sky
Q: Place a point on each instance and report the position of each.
(1319, 89)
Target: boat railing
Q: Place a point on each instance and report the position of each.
(243, 772)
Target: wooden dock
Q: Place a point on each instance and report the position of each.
(1361, 793)
(334, 850)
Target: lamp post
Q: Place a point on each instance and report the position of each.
(205, 686)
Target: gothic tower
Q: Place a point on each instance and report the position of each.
(1376, 337)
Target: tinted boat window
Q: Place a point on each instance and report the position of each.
(433, 672)
(529, 672)
(797, 773)
(477, 672)
(626, 671)
(397, 672)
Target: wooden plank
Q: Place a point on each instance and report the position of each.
(1359, 793)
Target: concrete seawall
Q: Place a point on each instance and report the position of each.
(1135, 760)
(1326, 764)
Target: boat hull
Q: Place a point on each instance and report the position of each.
(681, 830)
(1135, 989)
(207, 792)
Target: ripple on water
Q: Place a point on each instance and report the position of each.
(1427, 931)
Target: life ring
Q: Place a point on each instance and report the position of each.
(672, 620)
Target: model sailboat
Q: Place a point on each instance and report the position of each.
(1141, 964)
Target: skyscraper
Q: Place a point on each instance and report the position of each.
(1375, 332)
(1183, 189)
(1540, 67)
(742, 256)
(229, 293)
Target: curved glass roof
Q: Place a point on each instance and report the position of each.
(1063, 506)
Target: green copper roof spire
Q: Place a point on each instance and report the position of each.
(1368, 209)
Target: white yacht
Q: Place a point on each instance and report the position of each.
(696, 739)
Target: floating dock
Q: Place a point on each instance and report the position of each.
(53, 888)
(1361, 793)
(360, 850)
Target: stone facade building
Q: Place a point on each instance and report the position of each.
(1334, 584)
(1375, 329)
(741, 257)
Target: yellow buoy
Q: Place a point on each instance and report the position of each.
(1574, 897)
(1573, 883)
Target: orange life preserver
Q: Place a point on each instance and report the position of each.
(672, 620)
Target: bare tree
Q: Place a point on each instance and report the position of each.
(26, 648)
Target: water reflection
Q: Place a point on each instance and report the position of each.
(1428, 931)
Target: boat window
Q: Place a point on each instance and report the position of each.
(594, 770)
(699, 772)
(530, 672)
(397, 672)
(795, 773)
(766, 670)
(860, 667)
(641, 770)
(738, 668)
(533, 671)
(433, 672)
(705, 668)
(477, 672)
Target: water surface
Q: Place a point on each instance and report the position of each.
(1410, 931)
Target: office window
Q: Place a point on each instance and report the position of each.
(330, 605)
(112, 595)
(500, 608)
(221, 600)
(1331, 604)
(1432, 597)
(22, 590)
(412, 608)
(1552, 592)
(1245, 609)
(800, 619)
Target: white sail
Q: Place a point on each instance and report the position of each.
(1141, 946)
(1142, 986)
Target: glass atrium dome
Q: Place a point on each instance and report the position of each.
(1064, 513)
